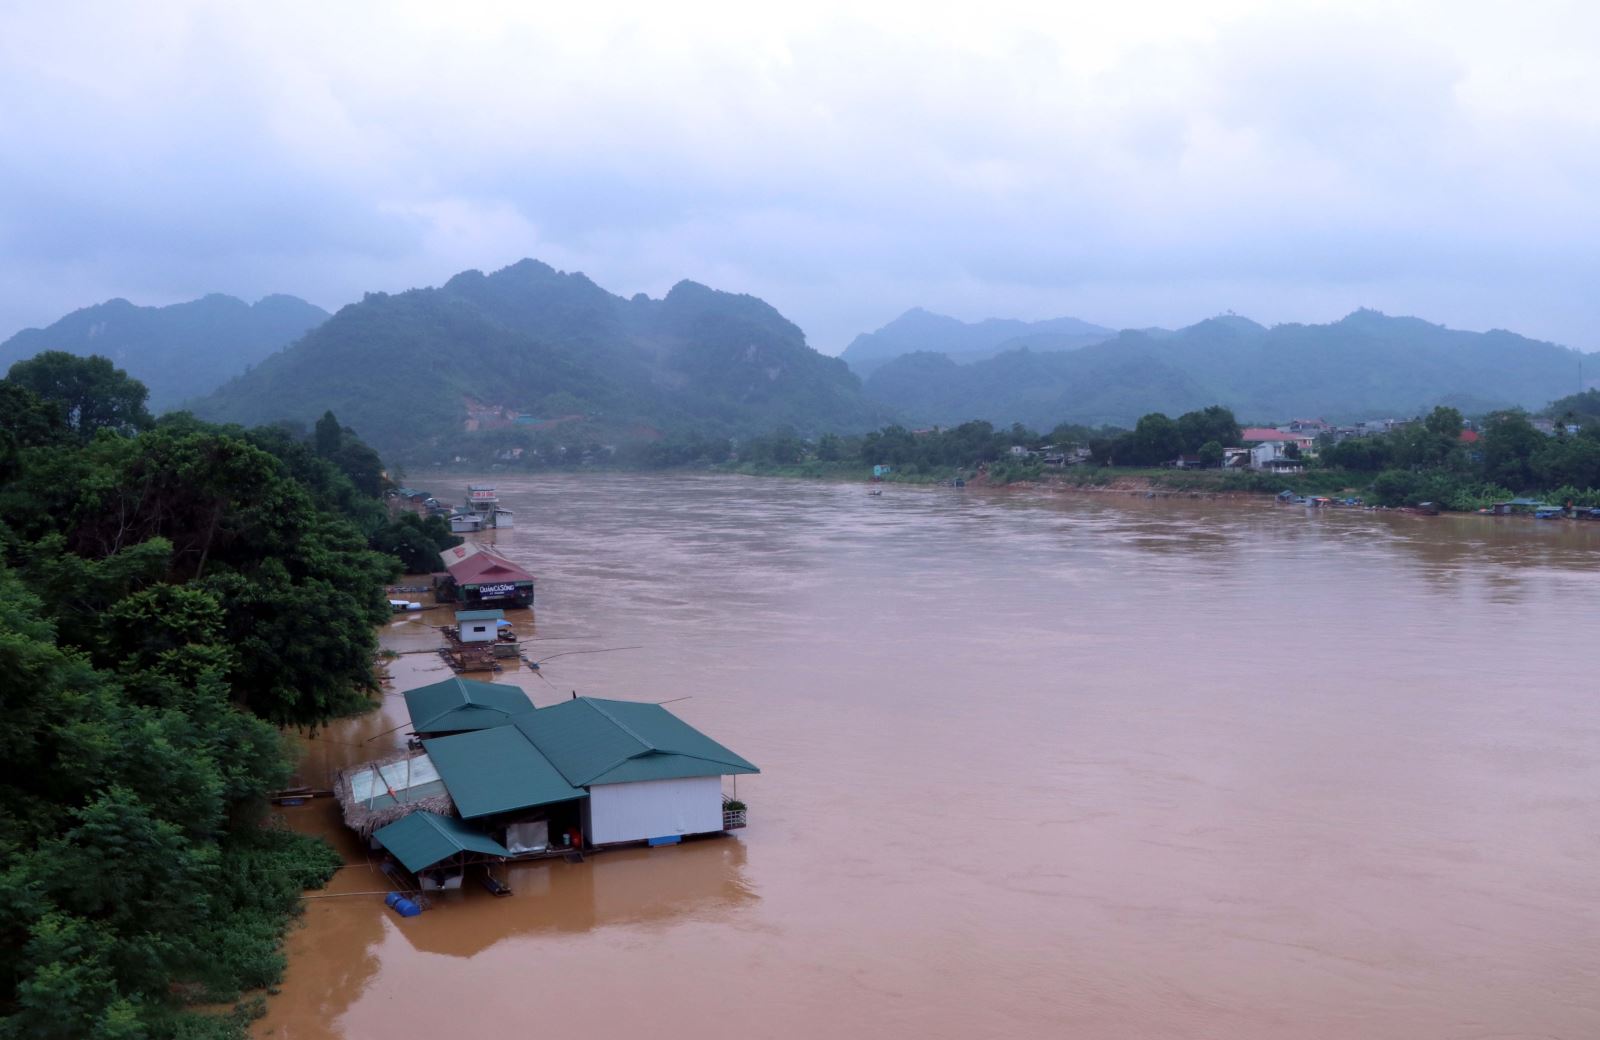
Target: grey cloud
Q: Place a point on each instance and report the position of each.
(1287, 166)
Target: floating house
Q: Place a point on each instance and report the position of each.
(463, 705)
(478, 626)
(482, 499)
(489, 578)
(437, 848)
(1520, 505)
(483, 502)
(582, 773)
(619, 771)
(649, 774)
(480, 576)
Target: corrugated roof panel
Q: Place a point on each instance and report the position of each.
(657, 766)
(664, 731)
(424, 838)
(587, 738)
(578, 740)
(497, 770)
(464, 704)
(404, 782)
(485, 564)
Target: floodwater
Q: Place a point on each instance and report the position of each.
(1033, 765)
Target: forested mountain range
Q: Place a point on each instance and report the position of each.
(538, 345)
(497, 360)
(1366, 365)
(179, 351)
(919, 330)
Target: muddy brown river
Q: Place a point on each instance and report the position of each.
(1033, 765)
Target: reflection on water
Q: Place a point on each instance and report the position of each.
(701, 879)
(1033, 765)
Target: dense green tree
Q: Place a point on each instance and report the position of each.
(1105, 449)
(163, 784)
(1444, 422)
(681, 448)
(1210, 453)
(329, 435)
(1396, 487)
(892, 445)
(1509, 444)
(1576, 408)
(1213, 423)
(92, 393)
(416, 542)
(1071, 435)
(1567, 462)
(26, 421)
(1156, 439)
(1366, 454)
(1421, 446)
(166, 598)
(361, 465)
(782, 447)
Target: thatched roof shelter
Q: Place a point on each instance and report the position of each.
(374, 794)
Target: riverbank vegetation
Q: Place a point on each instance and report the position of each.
(1507, 455)
(171, 594)
(1440, 459)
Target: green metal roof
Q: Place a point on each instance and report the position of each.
(657, 766)
(593, 741)
(497, 770)
(424, 838)
(458, 704)
(480, 615)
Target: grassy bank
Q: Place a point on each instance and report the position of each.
(843, 471)
(1452, 491)
(1002, 474)
(1331, 483)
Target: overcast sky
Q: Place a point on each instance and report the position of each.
(1127, 163)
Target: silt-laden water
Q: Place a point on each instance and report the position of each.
(1032, 766)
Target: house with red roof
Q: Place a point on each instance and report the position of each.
(478, 576)
(1267, 435)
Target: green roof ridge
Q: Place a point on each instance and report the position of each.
(623, 726)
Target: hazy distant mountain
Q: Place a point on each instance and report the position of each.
(180, 351)
(1368, 365)
(918, 330)
(404, 369)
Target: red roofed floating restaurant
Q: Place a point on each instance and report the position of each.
(478, 576)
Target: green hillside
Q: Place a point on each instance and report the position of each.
(1365, 366)
(550, 347)
(921, 331)
(180, 351)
